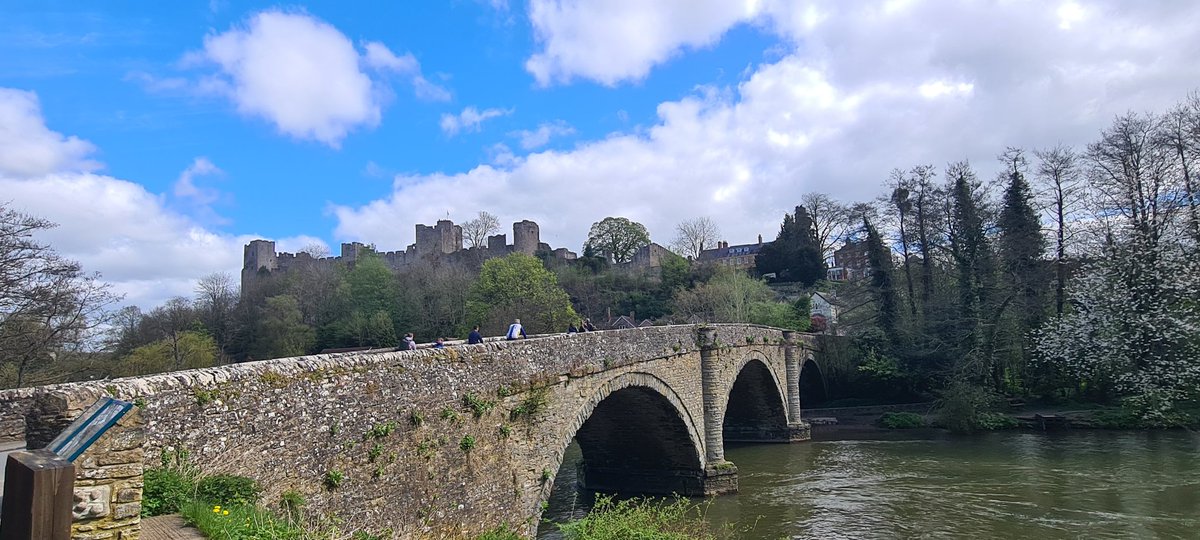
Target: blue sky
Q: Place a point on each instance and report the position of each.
(162, 137)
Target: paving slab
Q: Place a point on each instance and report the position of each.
(170, 527)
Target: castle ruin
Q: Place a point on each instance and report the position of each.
(441, 242)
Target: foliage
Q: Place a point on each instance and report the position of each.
(796, 253)
(239, 522)
(189, 350)
(534, 402)
(49, 308)
(500, 533)
(518, 286)
(961, 406)
(284, 332)
(644, 519)
(292, 504)
(228, 489)
(616, 239)
(901, 420)
(727, 297)
(467, 443)
(479, 406)
(165, 491)
(992, 421)
(333, 479)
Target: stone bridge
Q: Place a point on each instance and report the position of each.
(442, 443)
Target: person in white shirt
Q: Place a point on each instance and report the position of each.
(515, 330)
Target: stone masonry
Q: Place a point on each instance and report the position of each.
(442, 443)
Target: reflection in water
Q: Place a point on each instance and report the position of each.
(1092, 484)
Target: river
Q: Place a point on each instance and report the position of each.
(1020, 484)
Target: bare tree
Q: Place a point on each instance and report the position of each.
(216, 299)
(476, 231)
(831, 219)
(1179, 131)
(48, 305)
(1062, 193)
(694, 235)
(902, 205)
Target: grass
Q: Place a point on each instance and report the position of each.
(241, 522)
(647, 519)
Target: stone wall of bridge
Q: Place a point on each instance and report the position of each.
(434, 443)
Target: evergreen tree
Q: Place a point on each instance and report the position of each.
(1021, 245)
(880, 260)
(969, 247)
(795, 255)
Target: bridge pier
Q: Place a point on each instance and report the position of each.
(798, 429)
(720, 476)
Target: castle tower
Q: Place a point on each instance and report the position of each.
(351, 252)
(449, 236)
(256, 255)
(525, 237)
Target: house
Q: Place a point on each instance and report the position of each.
(823, 304)
(850, 262)
(742, 256)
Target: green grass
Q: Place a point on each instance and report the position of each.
(239, 522)
(646, 519)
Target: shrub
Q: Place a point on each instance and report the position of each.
(961, 404)
(165, 491)
(478, 405)
(467, 443)
(292, 503)
(333, 479)
(992, 421)
(901, 420)
(228, 489)
(534, 403)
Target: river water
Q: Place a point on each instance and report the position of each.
(1079, 484)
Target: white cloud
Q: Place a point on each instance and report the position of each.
(139, 245)
(537, 138)
(185, 186)
(860, 88)
(28, 148)
(610, 41)
(301, 74)
(470, 119)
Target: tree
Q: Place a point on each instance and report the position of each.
(729, 296)
(216, 299)
(694, 235)
(48, 306)
(831, 221)
(518, 287)
(190, 351)
(879, 258)
(972, 258)
(616, 238)
(925, 199)
(284, 334)
(476, 231)
(1058, 173)
(902, 205)
(1020, 243)
(795, 255)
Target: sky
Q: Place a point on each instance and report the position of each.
(162, 137)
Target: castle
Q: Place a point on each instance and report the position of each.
(441, 242)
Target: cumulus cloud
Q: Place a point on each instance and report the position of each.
(858, 89)
(145, 250)
(28, 148)
(610, 41)
(470, 119)
(301, 74)
(537, 138)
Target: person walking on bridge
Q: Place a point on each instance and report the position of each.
(515, 330)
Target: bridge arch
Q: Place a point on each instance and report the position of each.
(755, 406)
(812, 387)
(637, 435)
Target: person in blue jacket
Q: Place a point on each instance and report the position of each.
(475, 336)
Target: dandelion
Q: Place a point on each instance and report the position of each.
(225, 512)
(217, 509)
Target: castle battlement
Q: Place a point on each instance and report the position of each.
(442, 241)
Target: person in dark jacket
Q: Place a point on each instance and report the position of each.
(475, 336)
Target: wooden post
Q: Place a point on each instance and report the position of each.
(38, 494)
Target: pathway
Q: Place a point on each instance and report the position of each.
(169, 527)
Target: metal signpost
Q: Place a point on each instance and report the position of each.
(39, 485)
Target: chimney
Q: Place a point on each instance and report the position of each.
(760, 239)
